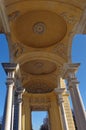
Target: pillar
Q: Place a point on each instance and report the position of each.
(10, 69)
(78, 106)
(20, 91)
(59, 92)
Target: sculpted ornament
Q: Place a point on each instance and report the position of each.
(25, 77)
(18, 49)
(39, 100)
(14, 15)
(71, 19)
(60, 49)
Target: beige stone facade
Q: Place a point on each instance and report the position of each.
(39, 34)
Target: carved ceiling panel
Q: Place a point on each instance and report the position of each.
(39, 67)
(42, 35)
(39, 29)
(39, 86)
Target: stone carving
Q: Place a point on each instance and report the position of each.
(39, 28)
(38, 86)
(71, 19)
(39, 100)
(18, 49)
(25, 77)
(14, 15)
(60, 49)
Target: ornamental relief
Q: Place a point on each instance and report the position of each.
(18, 49)
(71, 19)
(25, 77)
(39, 100)
(61, 50)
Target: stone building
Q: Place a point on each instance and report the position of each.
(39, 34)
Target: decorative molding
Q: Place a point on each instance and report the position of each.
(71, 19)
(39, 100)
(39, 28)
(24, 77)
(39, 86)
(13, 16)
(61, 50)
(18, 49)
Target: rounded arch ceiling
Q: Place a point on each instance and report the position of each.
(39, 67)
(39, 86)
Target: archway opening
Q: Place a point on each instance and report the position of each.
(40, 120)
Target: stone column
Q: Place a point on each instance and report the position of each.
(10, 69)
(59, 92)
(78, 106)
(20, 91)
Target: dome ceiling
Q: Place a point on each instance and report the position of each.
(39, 28)
(42, 33)
(39, 67)
(39, 86)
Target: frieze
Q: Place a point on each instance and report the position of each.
(39, 100)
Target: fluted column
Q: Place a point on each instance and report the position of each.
(78, 106)
(20, 91)
(10, 71)
(59, 92)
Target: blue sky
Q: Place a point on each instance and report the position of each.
(37, 118)
(4, 57)
(78, 56)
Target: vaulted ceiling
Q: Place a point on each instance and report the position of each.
(42, 33)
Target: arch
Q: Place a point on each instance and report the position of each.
(78, 29)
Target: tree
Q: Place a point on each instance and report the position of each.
(45, 125)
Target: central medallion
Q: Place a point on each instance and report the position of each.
(39, 28)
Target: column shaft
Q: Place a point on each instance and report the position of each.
(64, 120)
(75, 106)
(80, 108)
(79, 111)
(8, 108)
(20, 115)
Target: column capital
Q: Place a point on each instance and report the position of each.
(72, 82)
(59, 90)
(69, 70)
(20, 91)
(10, 69)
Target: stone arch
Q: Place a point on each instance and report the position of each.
(78, 29)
